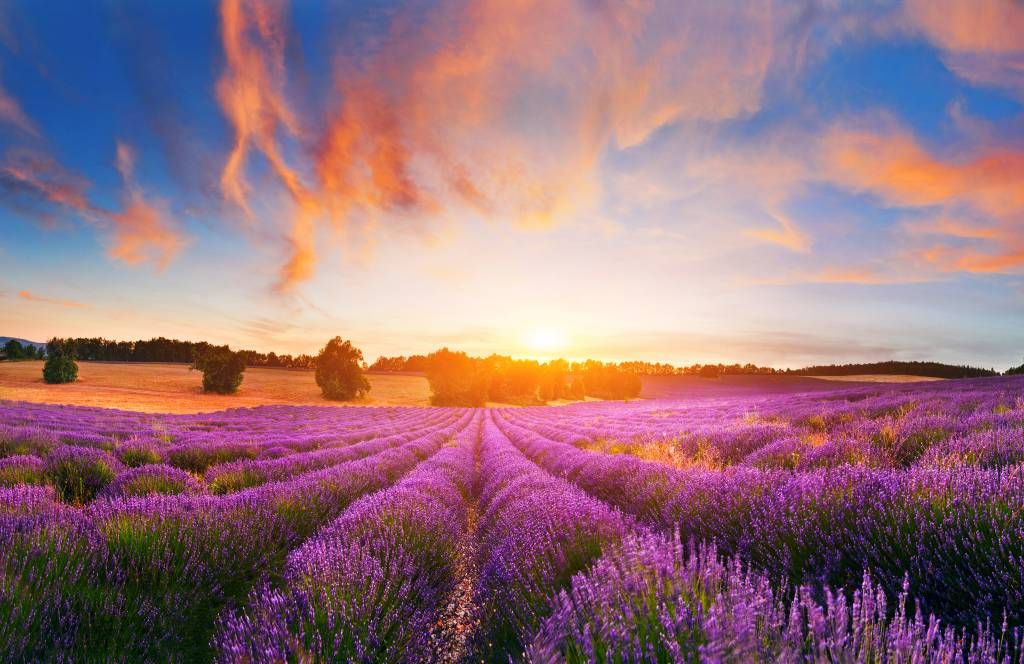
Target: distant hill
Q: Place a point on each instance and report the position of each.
(23, 342)
(931, 369)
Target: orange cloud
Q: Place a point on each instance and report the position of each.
(32, 297)
(893, 166)
(863, 276)
(954, 228)
(971, 25)
(982, 38)
(39, 175)
(141, 230)
(787, 235)
(958, 259)
(987, 184)
(433, 119)
(251, 94)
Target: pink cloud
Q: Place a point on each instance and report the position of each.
(141, 231)
(981, 38)
(39, 299)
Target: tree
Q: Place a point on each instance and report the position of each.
(339, 371)
(222, 369)
(60, 367)
(1015, 371)
(14, 349)
(710, 371)
(457, 379)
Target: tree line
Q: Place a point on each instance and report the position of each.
(14, 350)
(419, 363)
(339, 365)
(931, 369)
(456, 379)
(161, 349)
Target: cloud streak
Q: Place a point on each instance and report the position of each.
(12, 113)
(988, 183)
(141, 231)
(39, 299)
(981, 38)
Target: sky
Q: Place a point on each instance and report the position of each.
(777, 182)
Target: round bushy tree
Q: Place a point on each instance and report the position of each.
(60, 367)
(339, 371)
(222, 369)
(15, 351)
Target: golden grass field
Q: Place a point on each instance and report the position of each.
(878, 378)
(172, 388)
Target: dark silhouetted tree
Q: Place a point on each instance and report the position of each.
(60, 366)
(222, 369)
(15, 351)
(339, 371)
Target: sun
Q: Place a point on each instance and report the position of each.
(545, 340)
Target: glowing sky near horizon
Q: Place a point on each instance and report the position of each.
(777, 182)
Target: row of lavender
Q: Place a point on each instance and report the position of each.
(516, 528)
(143, 578)
(85, 453)
(934, 425)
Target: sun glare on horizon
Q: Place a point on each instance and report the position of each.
(546, 340)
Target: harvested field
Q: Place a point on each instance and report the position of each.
(172, 388)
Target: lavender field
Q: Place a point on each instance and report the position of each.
(870, 523)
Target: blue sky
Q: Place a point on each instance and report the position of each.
(775, 182)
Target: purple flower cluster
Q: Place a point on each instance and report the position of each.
(153, 479)
(654, 600)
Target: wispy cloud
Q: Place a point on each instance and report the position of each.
(787, 235)
(985, 183)
(142, 230)
(981, 38)
(40, 299)
(252, 96)
(12, 113)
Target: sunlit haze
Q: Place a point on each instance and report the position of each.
(776, 182)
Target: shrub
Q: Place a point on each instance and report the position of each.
(198, 456)
(153, 479)
(236, 479)
(15, 441)
(79, 473)
(60, 367)
(134, 454)
(339, 372)
(222, 369)
(21, 470)
(15, 351)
